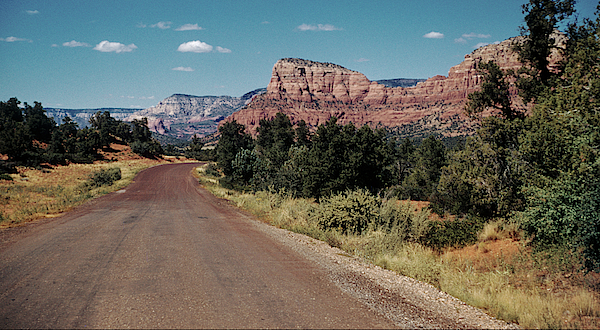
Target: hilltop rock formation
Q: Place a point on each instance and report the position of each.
(314, 92)
(182, 116)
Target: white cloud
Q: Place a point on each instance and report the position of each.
(434, 35)
(223, 50)
(32, 12)
(265, 22)
(196, 46)
(318, 27)
(470, 36)
(363, 60)
(74, 43)
(181, 68)
(162, 25)
(13, 39)
(189, 27)
(141, 25)
(107, 46)
(481, 44)
(473, 35)
(54, 45)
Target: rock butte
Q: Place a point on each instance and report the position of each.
(314, 92)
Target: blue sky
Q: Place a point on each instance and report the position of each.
(134, 53)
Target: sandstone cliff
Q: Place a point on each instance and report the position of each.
(182, 116)
(314, 92)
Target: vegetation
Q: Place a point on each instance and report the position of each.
(498, 273)
(36, 193)
(532, 178)
(29, 137)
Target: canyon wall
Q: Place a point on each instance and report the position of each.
(314, 92)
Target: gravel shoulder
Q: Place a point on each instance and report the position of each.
(405, 301)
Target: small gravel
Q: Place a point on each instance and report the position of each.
(407, 302)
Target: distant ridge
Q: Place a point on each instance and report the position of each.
(82, 116)
(400, 82)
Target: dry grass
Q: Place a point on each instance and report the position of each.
(499, 274)
(46, 192)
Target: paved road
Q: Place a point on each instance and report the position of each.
(164, 254)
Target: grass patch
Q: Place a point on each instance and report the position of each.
(495, 270)
(38, 193)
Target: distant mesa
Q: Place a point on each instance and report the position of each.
(183, 116)
(314, 92)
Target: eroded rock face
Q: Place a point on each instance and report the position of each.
(183, 116)
(314, 92)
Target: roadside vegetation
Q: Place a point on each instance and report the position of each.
(490, 266)
(33, 193)
(511, 220)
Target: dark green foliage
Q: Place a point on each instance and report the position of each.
(212, 170)
(244, 166)
(5, 176)
(106, 126)
(350, 212)
(275, 137)
(15, 137)
(453, 233)
(141, 141)
(148, 149)
(421, 168)
(69, 143)
(233, 139)
(485, 177)
(541, 19)
(493, 94)
(196, 150)
(38, 125)
(564, 191)
(342, 157)
(104, 177)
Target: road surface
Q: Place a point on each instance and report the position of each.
(164, 253)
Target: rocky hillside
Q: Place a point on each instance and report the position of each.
(182, 116)
(314, 92)
(82, 116)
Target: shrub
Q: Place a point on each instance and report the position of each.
(104, 177)
(350, 212)
(399, 217)
(453, 233)
(212, 170)
(4, 176)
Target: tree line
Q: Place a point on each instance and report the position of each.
(29, 137)
(539, 169)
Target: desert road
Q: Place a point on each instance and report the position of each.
(165, 253)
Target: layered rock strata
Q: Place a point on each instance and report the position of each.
(314, 92)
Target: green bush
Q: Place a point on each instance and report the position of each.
(4, 176)
(104, 177)
(350, 212)
(212, 170)
(453, 233)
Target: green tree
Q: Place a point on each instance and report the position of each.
(233, 139)
(494, 93)
(105, 125)
(564, 192)
(541, 21)
(15, 139)
(40, 127)
(429, 158)
(274, 139)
